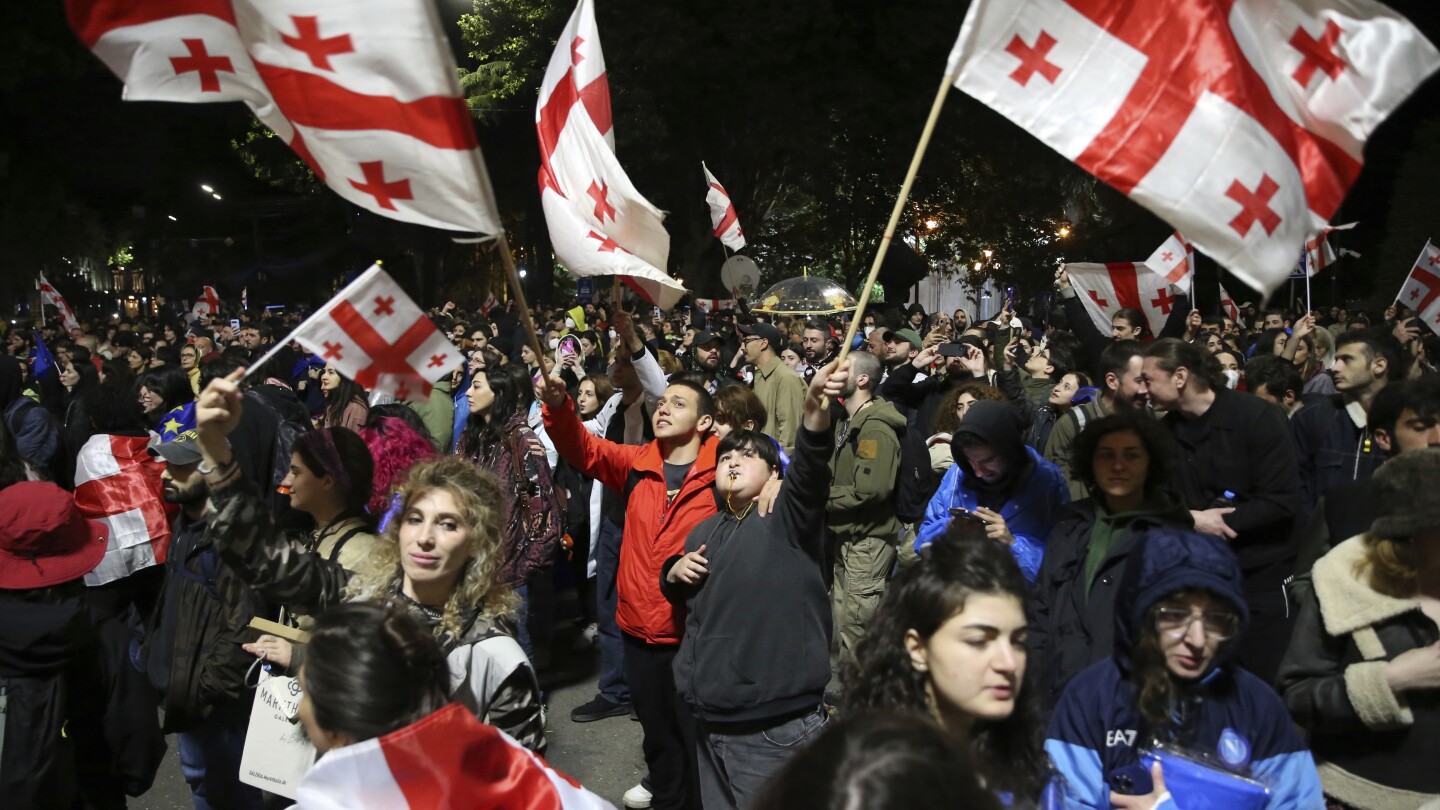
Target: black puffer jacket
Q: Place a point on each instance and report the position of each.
(1374, 749)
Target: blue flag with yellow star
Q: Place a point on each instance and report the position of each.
(178, 422)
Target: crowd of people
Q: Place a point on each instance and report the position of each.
(1018, 561)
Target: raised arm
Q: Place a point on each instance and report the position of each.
(605, 461)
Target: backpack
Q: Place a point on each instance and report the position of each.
(917, 481)
(286, 432)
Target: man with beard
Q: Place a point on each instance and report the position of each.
(901, 346)
(815, 344)
(192, 652)
(707, 357)
(1118, 379)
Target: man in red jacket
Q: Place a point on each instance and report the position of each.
(668, 488)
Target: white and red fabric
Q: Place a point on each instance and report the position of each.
(600, 225)
(365, 92)
(1240, 123)
(1174, 260)
(724, 222)
(708, 305)
(245, 298)
(1318, 253)
(446, 761)
(118, 483)
(377, 336)
(1421, 291)
(49, 296)
(1105, 289)
(207, 305)
(1228, 305)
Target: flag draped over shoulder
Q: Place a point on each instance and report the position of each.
(1239, 123)
(723, 220)
(1105, 289)
(377, 336)
(1421, 291)
(600, 225)
(365, 91)
(117, 482)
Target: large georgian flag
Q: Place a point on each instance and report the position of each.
(600, 225)
(724, 222)
(1241, 123)
(1421, 291)
(446, 761)
(50, 296)
(1105, 289)
(365, 91)
(377, 336)
(117, 482)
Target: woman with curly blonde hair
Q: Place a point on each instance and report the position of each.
(441, 558)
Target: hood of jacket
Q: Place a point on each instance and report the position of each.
(1001, 427)
(1169, 560)
(43, 630)
(882, 411)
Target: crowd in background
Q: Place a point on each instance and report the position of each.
(992, 562)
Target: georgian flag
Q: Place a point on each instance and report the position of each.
(1228, 305)
(1105, 289)
(1318, 253)
(365, 92)
(377, 336)
(600, 225)
(1240, 123)
(446, 761)
(117, 482)
(51, 297)
(723, 220)
(1421, 291)
(208, 304)
(1174, 261)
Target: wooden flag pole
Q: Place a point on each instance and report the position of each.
(894, 220)
(513, 275)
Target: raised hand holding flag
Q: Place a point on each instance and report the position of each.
(1421, 291)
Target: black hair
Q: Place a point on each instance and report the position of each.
(1134, 317)
(340, 397)
(1265, 343)
(1160, 447)
(170, 382)
(509, 384)
(1422, 396)
(1174, 353)
(753, 440)
(704, 402)
(168, 355)
(112, 409)
(370, 669)
(1115, 358)
(355, 460)
(145, 353)
(962, 563)
(401, 411)
(878, 761)
(1277, 374)
(12, 466)
(221, 365)
(1379, 343)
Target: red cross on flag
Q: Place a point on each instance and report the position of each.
(1105, 289)
(378, 337)
(1421, 292)
(118, 483)
(723, 220)
(366, 92)
(1174, 261)
(208, 304)
(1318, 253)
(49, 296)
(1228, 306)
(600, 225)
(1240, 123)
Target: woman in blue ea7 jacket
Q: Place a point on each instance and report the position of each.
(1029, 492)
(1178, 614)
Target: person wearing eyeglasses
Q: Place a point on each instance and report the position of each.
(1172, 679)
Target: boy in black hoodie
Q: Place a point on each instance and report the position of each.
(754, 661)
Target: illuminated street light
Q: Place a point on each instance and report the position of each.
(979, 265)
(216, 196)
(206, 189)
(988, 252)
(931, 224)
(172, 218)
(522, 274)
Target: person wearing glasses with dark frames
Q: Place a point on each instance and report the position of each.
(1172, 679)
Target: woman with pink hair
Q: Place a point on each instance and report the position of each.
(396, 446)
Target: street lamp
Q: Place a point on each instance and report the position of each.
(206, 189)
(216, 196)
(931, 224)
(988, 252)
(171, 217)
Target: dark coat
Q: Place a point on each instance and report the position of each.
(1330, 448)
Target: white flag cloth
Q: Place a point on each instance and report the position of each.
(1318, 253)
(1239, 123)
(377, 336)
(1228, 305)
(1174, 261)
(49, 296)
(723, 220)
(365, 91)
(207, 304)
(448, 760)
(117, 482)
(600, 225)
(1421, 291)
(1105, 289)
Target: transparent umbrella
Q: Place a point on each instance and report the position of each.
(805, 295)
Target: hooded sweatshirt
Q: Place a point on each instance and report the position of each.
(1097, 728)
(865, 468)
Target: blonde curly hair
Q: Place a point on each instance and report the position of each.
(478, 495)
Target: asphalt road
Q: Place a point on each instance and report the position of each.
(604, 756)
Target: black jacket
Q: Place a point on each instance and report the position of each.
(80, 723)
(1068, 630)
(918, 402)
(1374, 749)
(1242, 444)
(757, 636)
(1331, 449)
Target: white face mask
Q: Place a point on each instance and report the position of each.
(868, 330)
(1232, 378)
(613, 334)
(554, 344)
(569, 323)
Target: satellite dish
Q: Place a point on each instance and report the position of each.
(740, 276)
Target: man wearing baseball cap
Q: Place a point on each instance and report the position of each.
(780, 390)
(707, 356)
(901, 346)
(80, 723)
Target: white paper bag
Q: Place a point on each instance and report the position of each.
(277, 753)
